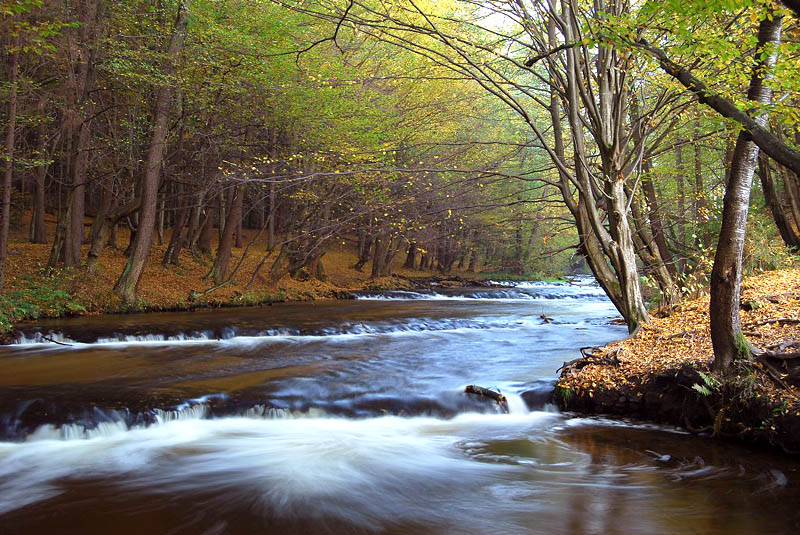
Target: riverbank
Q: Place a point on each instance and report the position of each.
(33, 291)
(662, 373)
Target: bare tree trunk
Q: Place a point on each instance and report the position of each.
(37, 222)
(81, 109)
(410, 259)
(160, 228)
(379, 256)
(365, 245)
(239, 242)
(220, 270)
(206, 233)
(8, 174)
(681, 200)
(701, 209)
(128, 281)
(788, 234)
(221, 216)
(271, 219)
(37, 234)
(106, 230)
(726, 332)
(177, 239)
(74, 230)
(664, 255)
(792, 191)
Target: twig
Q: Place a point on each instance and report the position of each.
(681, 334)
(780, 355)
(790, 321)
(55, 341)
(786, 344)
(775, 298)
(773, 373)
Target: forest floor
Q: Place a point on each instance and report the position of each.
(663, 373)
(32, 291)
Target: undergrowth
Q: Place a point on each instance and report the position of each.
(42, 293)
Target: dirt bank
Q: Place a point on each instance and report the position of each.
(662, 373)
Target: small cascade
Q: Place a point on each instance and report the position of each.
(266, 412)
(516, 405)
(503, 291)
(96, 422)
(76, 431)
(192, 412)
(44, 338)
(234, 336)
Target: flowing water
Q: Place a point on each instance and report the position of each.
(351, 417)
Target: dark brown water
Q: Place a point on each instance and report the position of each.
(350, 417)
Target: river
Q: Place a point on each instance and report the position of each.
(351, 417)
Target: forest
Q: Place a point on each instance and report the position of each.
(248, 138)
(400, 266)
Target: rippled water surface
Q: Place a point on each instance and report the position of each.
(350, 417)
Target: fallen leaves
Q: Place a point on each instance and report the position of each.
(684, 336)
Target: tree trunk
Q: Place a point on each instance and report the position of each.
(654, 218)
(239, 242)
(701, 209)
(128, 281)
(177, 239)
(79, 116)
(788, 234)
(8, 174)
(206, 233)
(106, 230)
(220, 269)
(37, 234)
(679, 177)
(379, 256)
(160, 228)
(635, 312)
(221, 216)
(410, 259)
(726, 332)
(364, 247)
(792, 191)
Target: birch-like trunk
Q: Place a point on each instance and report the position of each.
(726, 331)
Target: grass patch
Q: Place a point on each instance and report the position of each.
(42, 293)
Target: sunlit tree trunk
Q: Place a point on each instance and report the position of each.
(726, 332)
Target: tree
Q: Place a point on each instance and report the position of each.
(126, 285)
(598, 139)
(8, 168)
(726, 332)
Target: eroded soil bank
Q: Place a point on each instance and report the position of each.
(663, 374)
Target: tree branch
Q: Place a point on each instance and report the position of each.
(768, 142)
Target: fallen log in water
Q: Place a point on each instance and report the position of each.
(499, 398)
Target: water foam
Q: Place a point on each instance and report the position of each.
(340, 466)
(344, 331)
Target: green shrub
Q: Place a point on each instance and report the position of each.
(41, 294)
